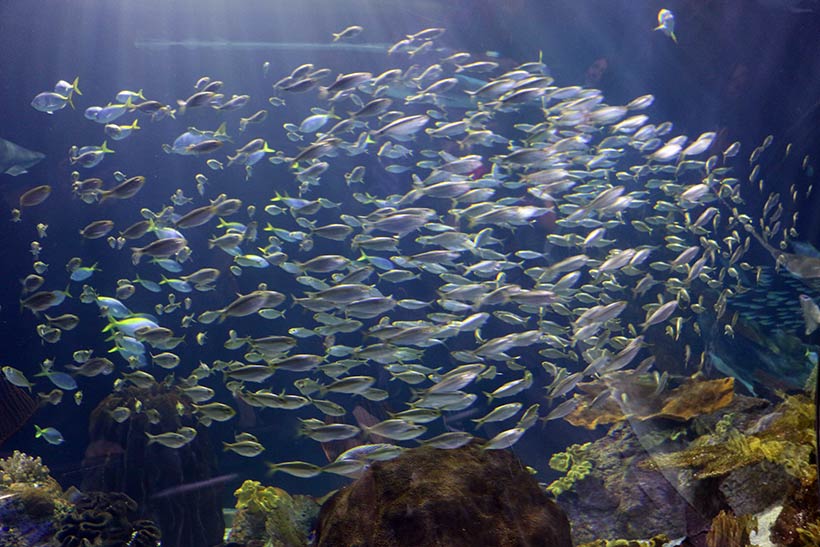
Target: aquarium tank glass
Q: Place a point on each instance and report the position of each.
(409, 273)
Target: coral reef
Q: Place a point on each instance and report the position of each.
(647, 477)
(105, 518)
(628, 395)
(727, 530)
(267, 515)
(610, 495)
(787, 440)
(798, 524)
(20, 467)
(574, 463)
(428, 497)
(119, 459)
(31, 501)
(656, 541)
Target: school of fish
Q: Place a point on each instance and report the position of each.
(567, 227)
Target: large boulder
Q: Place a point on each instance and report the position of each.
(444, 498)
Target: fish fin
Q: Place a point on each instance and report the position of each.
(76, 86)
(105, 148)
(811, 325)
(15, 170)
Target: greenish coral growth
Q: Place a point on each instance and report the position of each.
(22, 468)
(788, 441)
(576, 465)
(810, 535)
(272, 515)
(257, 498)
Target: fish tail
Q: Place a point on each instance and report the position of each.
(70, 101)
(105, 148)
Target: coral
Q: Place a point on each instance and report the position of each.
(727, 530)
(254, 497)
(788, 441)
(31, 501)
(656, 541)
(22, 468)
(28, 513)
(270, 515)
(628, 395)
(574, 463)
(103, 518)
(428, 497)
(810, 535)
(798, 524)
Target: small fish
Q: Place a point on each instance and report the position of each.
(49, 434)
(16, 377)
(171, 439)
(811, 313)
(35, 196)
(666, 24)
(246, 448)
(348, 33)
(505, 439)
(120, 414)
(50, 102)
(296, 468)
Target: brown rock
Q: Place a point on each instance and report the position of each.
(444, 498)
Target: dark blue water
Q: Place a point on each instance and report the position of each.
(739, 68)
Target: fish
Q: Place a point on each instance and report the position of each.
(35, 196)
(16, 377)
(348, 33)
(171, 439)
(811, 313)
(16, 160)
(51, 101)
(666, 24)
(49, 434)
(492, 220)
(246, 448)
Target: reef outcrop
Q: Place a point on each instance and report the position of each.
(429, 497)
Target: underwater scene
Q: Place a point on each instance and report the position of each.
(360, 273)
